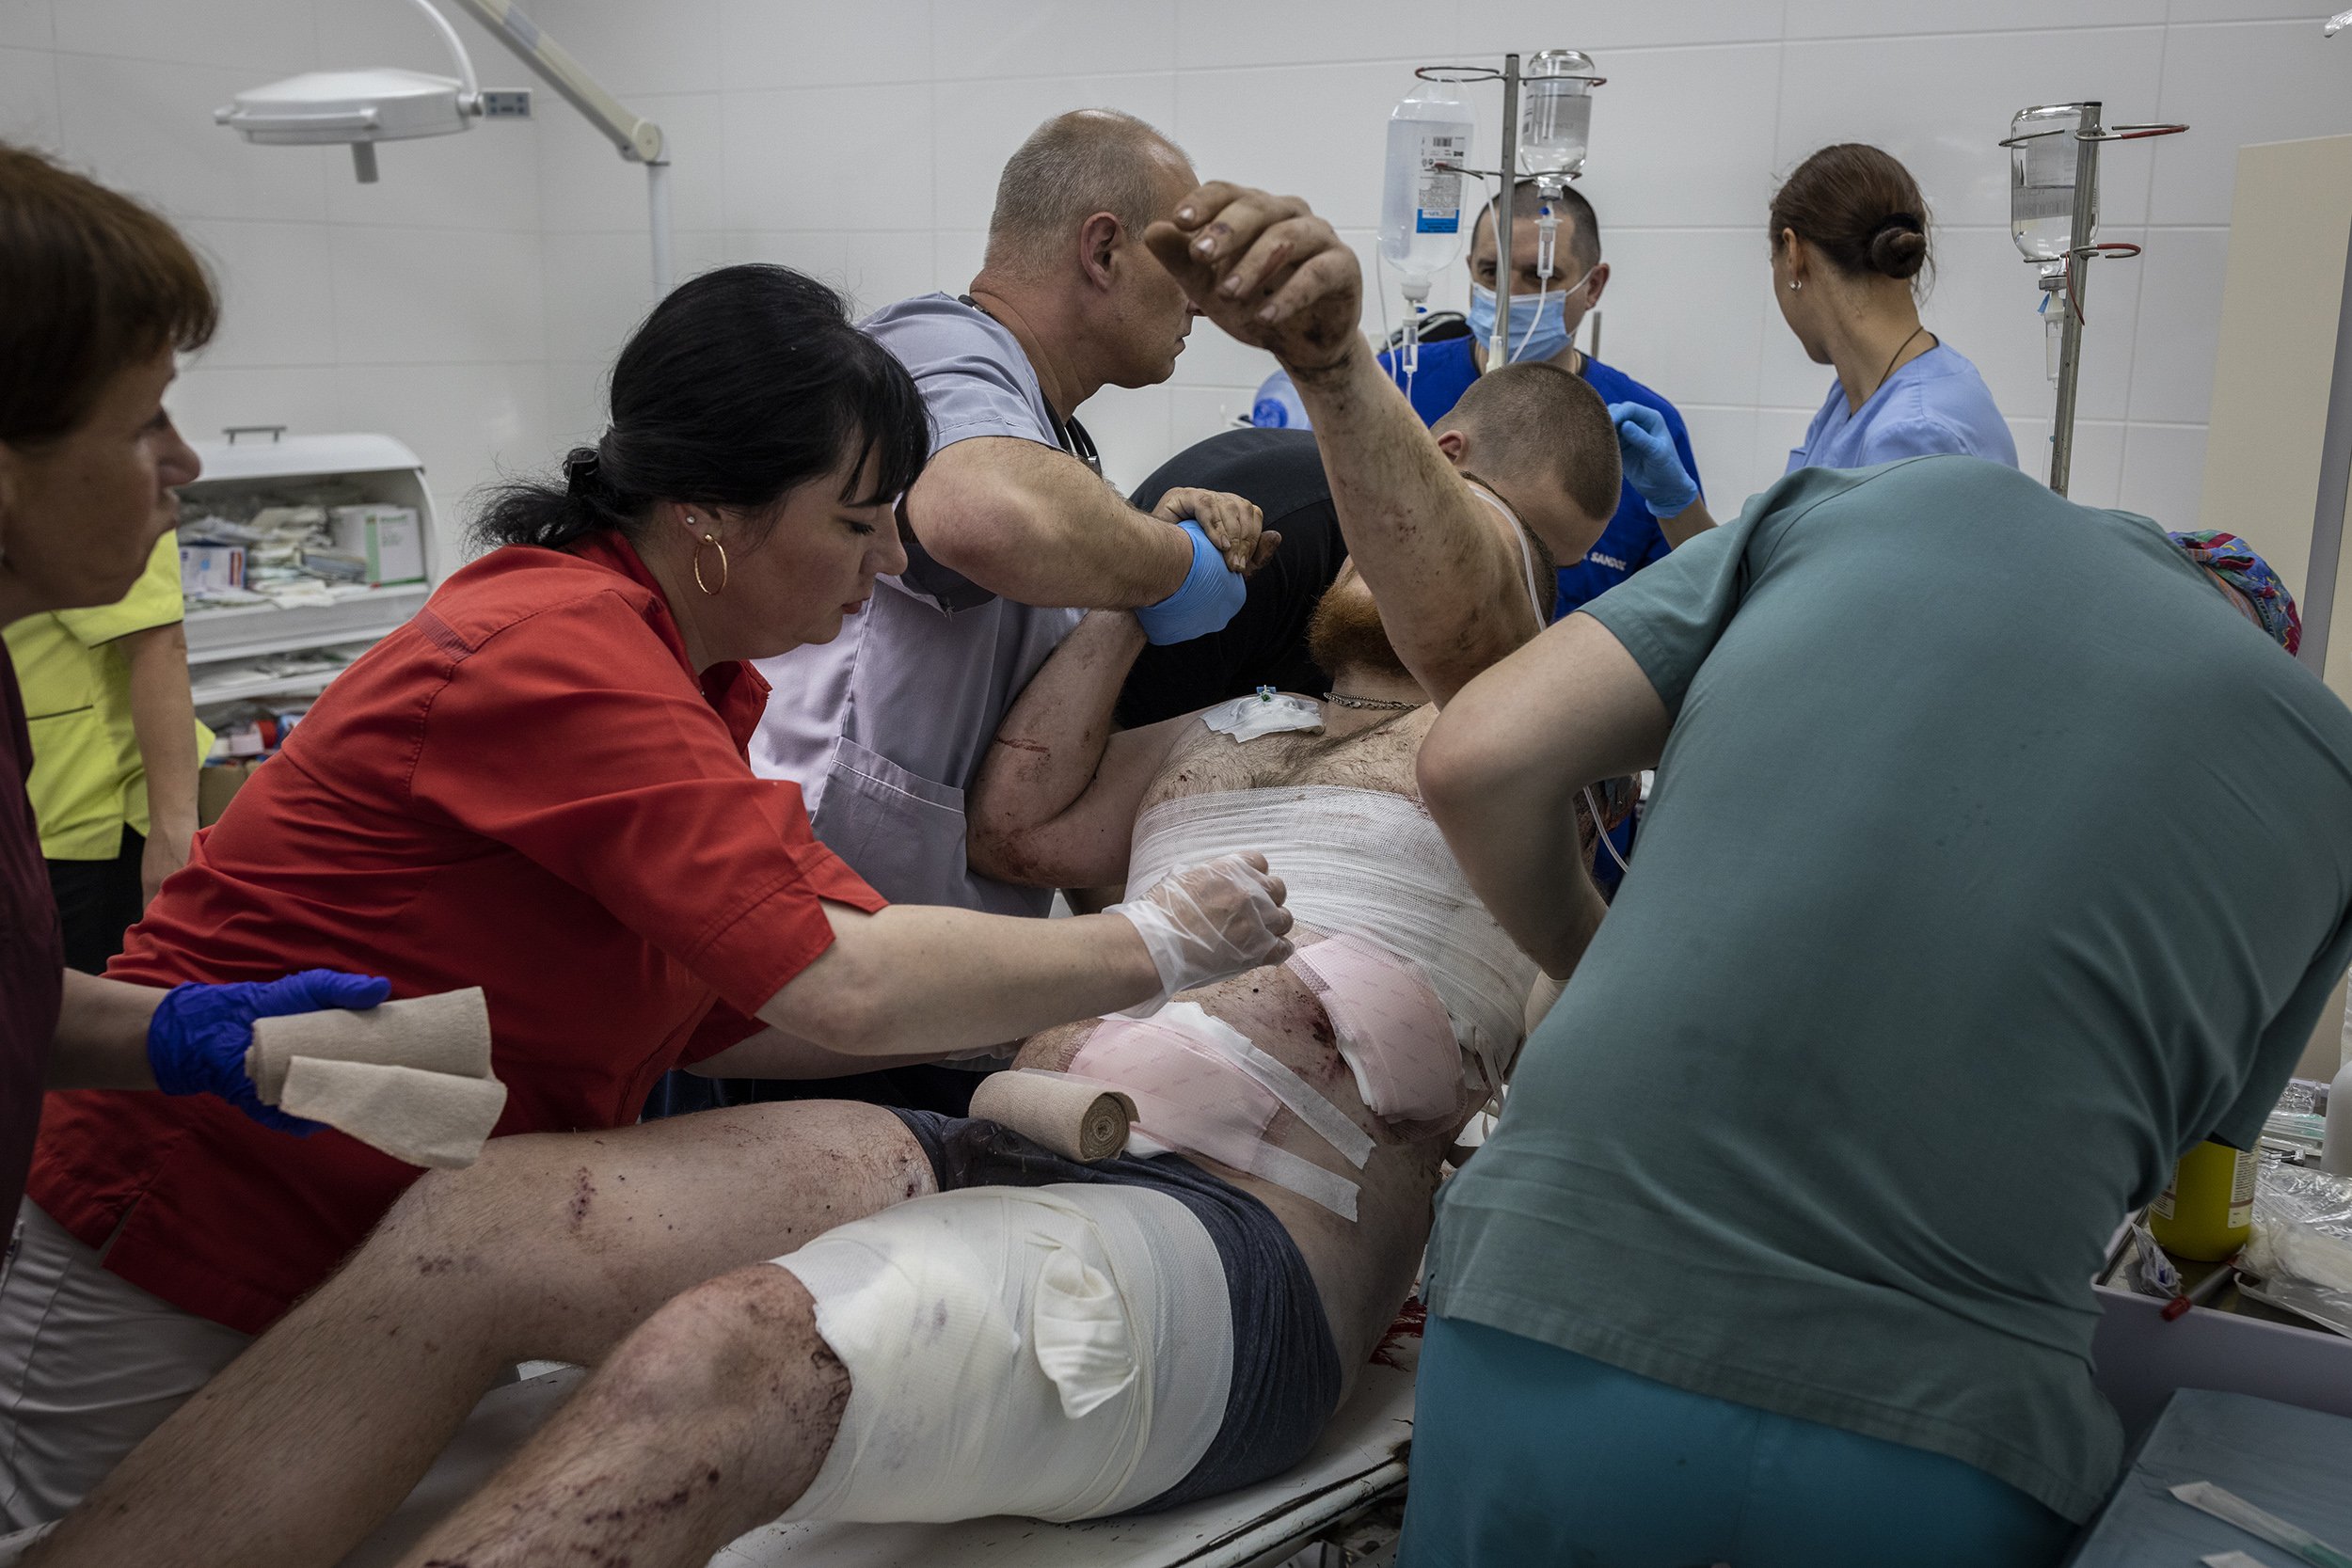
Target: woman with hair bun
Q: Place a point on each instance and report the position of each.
(1849, 241)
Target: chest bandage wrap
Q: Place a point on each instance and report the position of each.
(1199, 1085)
(1371, 864)
(1059, 1352)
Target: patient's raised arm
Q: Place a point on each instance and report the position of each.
(1275, 276)
(1056, 801)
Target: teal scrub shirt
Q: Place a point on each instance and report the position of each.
(1993, 861)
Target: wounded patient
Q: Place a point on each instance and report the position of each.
(995, 1329)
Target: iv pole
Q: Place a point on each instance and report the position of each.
(2077, 280)
(1499, 342)
(2071, 281)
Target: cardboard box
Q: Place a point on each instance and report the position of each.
(388, 538)
(216, 785)
(205, 566)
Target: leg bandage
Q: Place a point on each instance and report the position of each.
(1393, 1031)
(1200, 1085)
(1059, 1352)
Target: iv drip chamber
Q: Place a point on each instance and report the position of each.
(1556, 115)
(1422, 224)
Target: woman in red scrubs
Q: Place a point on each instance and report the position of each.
(538, 785)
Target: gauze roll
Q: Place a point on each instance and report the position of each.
(1206, 922)
(411, 1078)
(1078, 1118)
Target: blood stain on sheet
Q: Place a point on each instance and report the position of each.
(1411, 1319)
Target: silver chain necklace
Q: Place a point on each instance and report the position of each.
(1381, 703)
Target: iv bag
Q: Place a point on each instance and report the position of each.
(1555, 114)
(2041, 180)
(1422, 226)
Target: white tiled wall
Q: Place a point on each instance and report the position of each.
(470, 302)
(415, 306)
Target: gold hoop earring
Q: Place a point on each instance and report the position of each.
(724, 570)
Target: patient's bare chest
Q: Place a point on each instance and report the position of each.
(1381, 757)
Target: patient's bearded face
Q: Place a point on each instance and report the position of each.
(1346, 633)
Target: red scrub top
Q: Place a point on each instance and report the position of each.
(32, 957)
(525, 788)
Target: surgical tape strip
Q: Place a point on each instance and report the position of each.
(1059, 1352)
(1200, 1084)
(1369, 864)
(1394, 1033)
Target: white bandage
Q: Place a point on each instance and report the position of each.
(1394, 1032)
(1369, 863)
(1060, 1352)
(1201, 1087)
(1248, 718)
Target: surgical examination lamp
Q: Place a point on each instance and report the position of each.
(2054, 217)
(365, 107)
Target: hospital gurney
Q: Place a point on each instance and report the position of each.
(1359, 1461)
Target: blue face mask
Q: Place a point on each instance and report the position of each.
(1539, 323)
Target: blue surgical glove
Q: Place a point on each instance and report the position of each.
(1652, 465)
(1211, 594)
(198, 1036)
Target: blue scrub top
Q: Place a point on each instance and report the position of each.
(1936, 404)
(1631, 541)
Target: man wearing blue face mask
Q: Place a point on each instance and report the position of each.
(1545, 314)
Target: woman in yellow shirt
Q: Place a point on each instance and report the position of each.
(116, 751)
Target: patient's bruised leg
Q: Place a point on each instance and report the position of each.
(551, 1246)
(707, 1422)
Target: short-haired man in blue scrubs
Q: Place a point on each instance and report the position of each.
(1651, 518)
(1545, 315)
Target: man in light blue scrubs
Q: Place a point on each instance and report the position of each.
(1998, 856)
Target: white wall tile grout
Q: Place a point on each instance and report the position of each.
(511, 265)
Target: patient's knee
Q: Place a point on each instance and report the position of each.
(748, 1337)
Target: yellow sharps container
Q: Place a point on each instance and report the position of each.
(2207, 1209)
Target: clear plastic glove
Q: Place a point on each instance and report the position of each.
(1211, 594)
(198, 1036)
(1652, 465)
(1203, 922)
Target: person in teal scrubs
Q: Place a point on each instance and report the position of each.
(1997, 857)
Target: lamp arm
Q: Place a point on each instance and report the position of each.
(472, 102)
(635, 137)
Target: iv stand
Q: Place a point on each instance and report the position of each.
(2071, 280)
(1499, 342)
(2070, 330)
